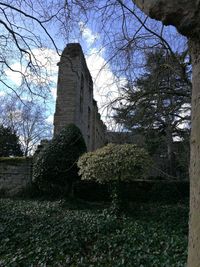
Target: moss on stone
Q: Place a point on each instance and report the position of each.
(14, 160)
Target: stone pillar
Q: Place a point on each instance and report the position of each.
(69, 79)
(75, 103)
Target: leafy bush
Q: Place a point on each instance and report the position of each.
(55, 167)
(167, 192)
(139, 190)
(113, 164)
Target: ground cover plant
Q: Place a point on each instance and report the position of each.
(43, 233)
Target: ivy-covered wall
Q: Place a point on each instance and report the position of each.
(15, 174)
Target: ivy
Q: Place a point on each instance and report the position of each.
(55, 167)
(34, 233)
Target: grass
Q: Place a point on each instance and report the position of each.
(44, 233)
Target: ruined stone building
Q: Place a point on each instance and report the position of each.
(75, 102)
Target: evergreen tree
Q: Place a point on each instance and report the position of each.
(157, 104)
(9, 143)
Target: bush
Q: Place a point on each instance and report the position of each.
(114, 164)
(55, 167)
(166, 192)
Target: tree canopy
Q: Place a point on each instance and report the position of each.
(9, 143)
(157, 104)
(114, 162)
(28, 119)
(27, 35)
(158, 99)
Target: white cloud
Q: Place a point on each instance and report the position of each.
(2, 93)
(106, 85)
(105, 82)
(54, 92)
(87, 34)
(15, 76)
(50, 119)
(46, 59)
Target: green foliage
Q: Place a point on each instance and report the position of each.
(55, 167)
(157, 106)
(46, 233)
(165, 192)
(14, 160)
(139, 190)
(114, 163)
(27, 118)
(160, 98)
(9, 143)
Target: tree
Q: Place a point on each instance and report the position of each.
(25, 36)
(158, 103)
(9, 143)
(55, 167)
(114, 164)
(133, 36)
(187, 23)
(28, 119)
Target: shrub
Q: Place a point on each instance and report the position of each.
(114, 164)
(165, 192)
(55, 167)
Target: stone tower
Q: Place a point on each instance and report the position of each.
(75, 103)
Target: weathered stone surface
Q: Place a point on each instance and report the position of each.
(183, 14)
(75, 103)
(15, 174)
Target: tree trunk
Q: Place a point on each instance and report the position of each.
(194, 224)
(185, 16)
(170, 158)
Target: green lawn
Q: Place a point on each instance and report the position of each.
(42, 233)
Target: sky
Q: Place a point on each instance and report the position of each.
(106, 83)
(105, 88)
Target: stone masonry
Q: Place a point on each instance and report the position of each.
(15, 175)
(75, 102)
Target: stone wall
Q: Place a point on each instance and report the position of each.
(75, 102)
(15, 174)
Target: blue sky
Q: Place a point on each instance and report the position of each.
(104, 82)
(96, 47)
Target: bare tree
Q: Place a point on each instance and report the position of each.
(124, 32)
(28, 120)
(24, 38)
